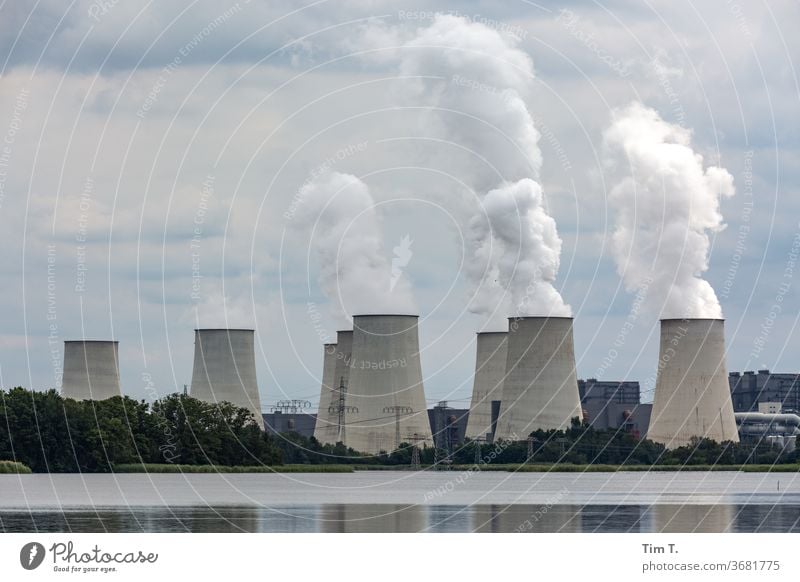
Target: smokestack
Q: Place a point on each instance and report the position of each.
(225, 369)
(91, 370)
(385, 394)
(541, 388)
(336, 373)
(692, 397)
(490, 370)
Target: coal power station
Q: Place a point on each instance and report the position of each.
(692, 397)
(91, 370)
(385, 396)
(490, 372)
(541, 386)
(225, 368)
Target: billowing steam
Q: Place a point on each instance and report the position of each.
(472, 78)
(338, 213)
(666, 205)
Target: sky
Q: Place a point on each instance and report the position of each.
(154, 159)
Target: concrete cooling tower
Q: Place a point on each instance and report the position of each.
(91, 370)
(490, 369)
(225, 369)
(385, 392)
(541, 388)
(692, 396)
(335, 374)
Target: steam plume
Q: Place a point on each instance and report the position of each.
(339, 214)
(666, 205)
(473, 79)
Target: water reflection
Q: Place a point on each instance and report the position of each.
(346, 518)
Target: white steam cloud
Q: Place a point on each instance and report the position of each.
(473, 78)
(666, 205)
(338, 213)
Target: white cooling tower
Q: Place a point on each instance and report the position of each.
(490, 369)
(91, 370)
(692, 396)
(225, 369)
(385, 390)
(335, 375)
(541, 388)
(327, 396)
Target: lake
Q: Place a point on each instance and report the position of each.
(402, 501)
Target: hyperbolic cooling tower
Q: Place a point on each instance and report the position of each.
(541, 388)
(225, 369)
(91, 370)
(335, 374)
(692, 396)
(490, 369)
(385, 394)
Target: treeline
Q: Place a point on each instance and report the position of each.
(49, 433)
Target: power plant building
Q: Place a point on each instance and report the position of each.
(385, 396)
(614, 405)
(225, 369)
(541, 388)
(91, 370)
(692, 397)
(490, 371)
(749, 389)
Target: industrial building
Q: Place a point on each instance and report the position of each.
(91, 370)
(449, 426)
(769, 427)
(278, 422)
(225, 369)
(385, 395)
(541, 388)
(692, 397)
(614, 405)
(487, 384)
(748, 389)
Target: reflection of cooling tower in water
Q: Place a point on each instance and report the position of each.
(335, 375)
(692, 396)
(692, 518)
(91, 370)
(490, 369)
(541, 388)
(385, 385)
(523, 518)
(225, 369)
(373, 518)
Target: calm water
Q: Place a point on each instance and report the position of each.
(403, 502)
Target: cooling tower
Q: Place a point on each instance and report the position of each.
(225, 369)
(490, 369)
(91, 370)
(335, 374)
(692, 397)
(385, 394)
(541, 388)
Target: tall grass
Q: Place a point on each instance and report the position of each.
(170, 468)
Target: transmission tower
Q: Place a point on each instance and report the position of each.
(340, 409)
(478, 442)
(531, 446)
(415, 439)
(397, 411)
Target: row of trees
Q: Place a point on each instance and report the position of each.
(49, 433)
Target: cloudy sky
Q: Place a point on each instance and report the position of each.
(154, 156)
